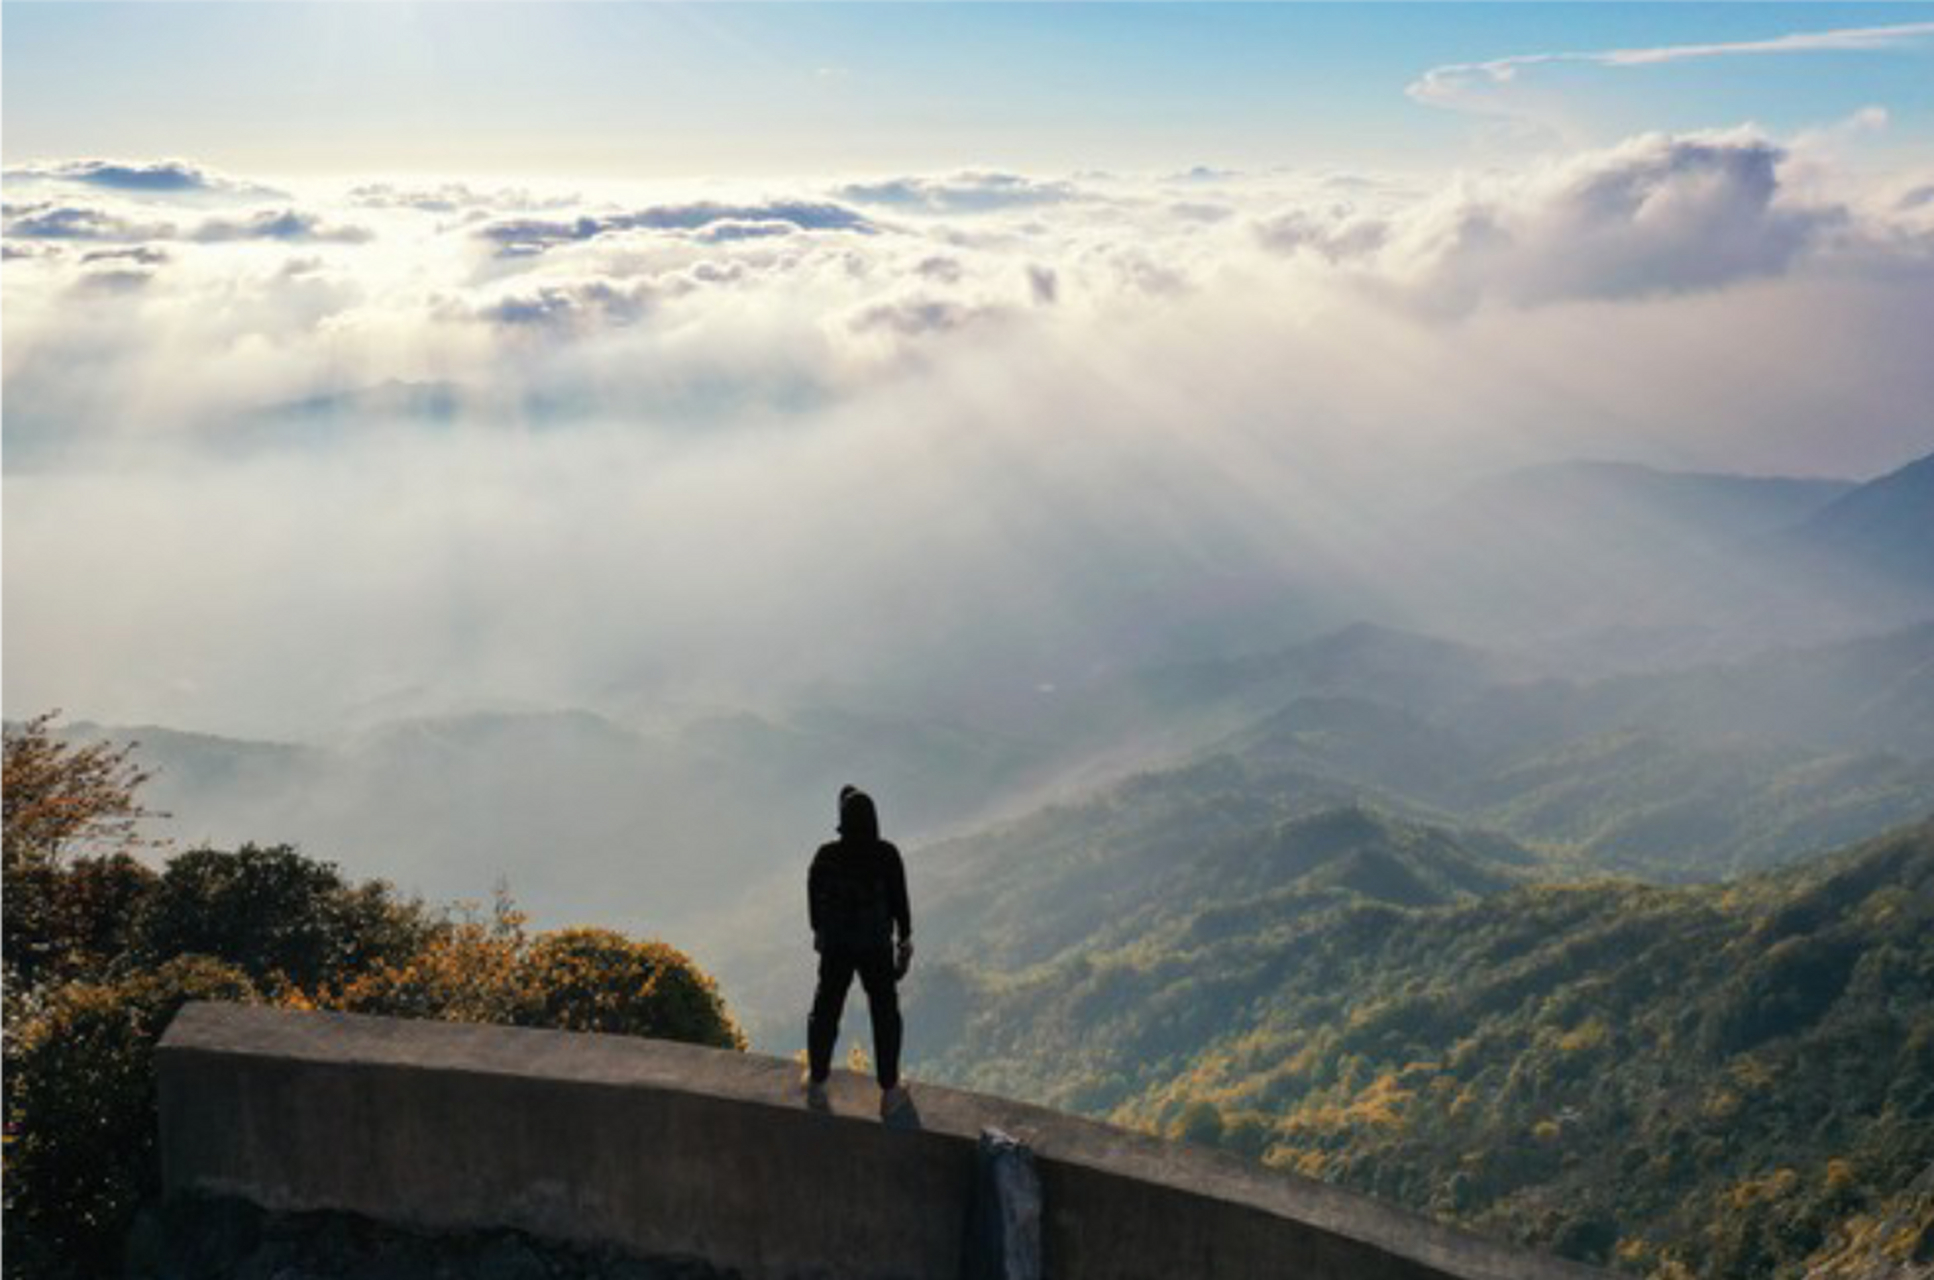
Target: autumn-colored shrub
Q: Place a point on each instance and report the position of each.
(571, 980)
(466, 971)
(598, 980)
(80, 1113)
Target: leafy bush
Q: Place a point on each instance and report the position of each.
(72, 921)
(279, 916)
(80, 1114)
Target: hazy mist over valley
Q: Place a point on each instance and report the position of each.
(1341, 604)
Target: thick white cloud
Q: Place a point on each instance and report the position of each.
(457, 197)
(961, 193)
(47, 220)
(572, 306)
(1657, 214)
(141, 255)
(524, 236)
(113, 280)
(916, 316)
(288, 225)
(1337, 234)
(152, 180)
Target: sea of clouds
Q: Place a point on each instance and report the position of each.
(280, 453)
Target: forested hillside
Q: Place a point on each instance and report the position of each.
(1723, 1078)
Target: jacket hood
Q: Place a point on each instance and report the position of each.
(858, 819)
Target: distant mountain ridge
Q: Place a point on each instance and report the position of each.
(1885, 527)
(1566, 551)
(1717, 506)
(1404, 667)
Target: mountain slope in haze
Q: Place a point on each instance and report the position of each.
(1639, 801)
(1576, 544)
(1872, 693)
(1630, 564)
(1884, 528)
(1112, 722)
(1647, 804)
(585, 817)
(1687, 774)
(1714, 1077)
(1637, 503)
(1402, 668)
(1864, 695)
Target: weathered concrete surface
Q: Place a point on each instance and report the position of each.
(193, 1237)
(673, 1149)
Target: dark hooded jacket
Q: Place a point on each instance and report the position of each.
(856, 891)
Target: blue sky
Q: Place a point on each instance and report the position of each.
(671, 90)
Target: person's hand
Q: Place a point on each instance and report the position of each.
(903, 958)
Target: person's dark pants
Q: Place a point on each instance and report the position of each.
(837, 965)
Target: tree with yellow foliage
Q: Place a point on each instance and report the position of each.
(70, 830)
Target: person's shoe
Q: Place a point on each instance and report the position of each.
(894, 1099)
(816, 1095)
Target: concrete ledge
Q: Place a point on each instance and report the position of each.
(673, 1149)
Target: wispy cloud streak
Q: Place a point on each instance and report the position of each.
(1453, 84)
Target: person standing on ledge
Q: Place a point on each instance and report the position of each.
(856, 895)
